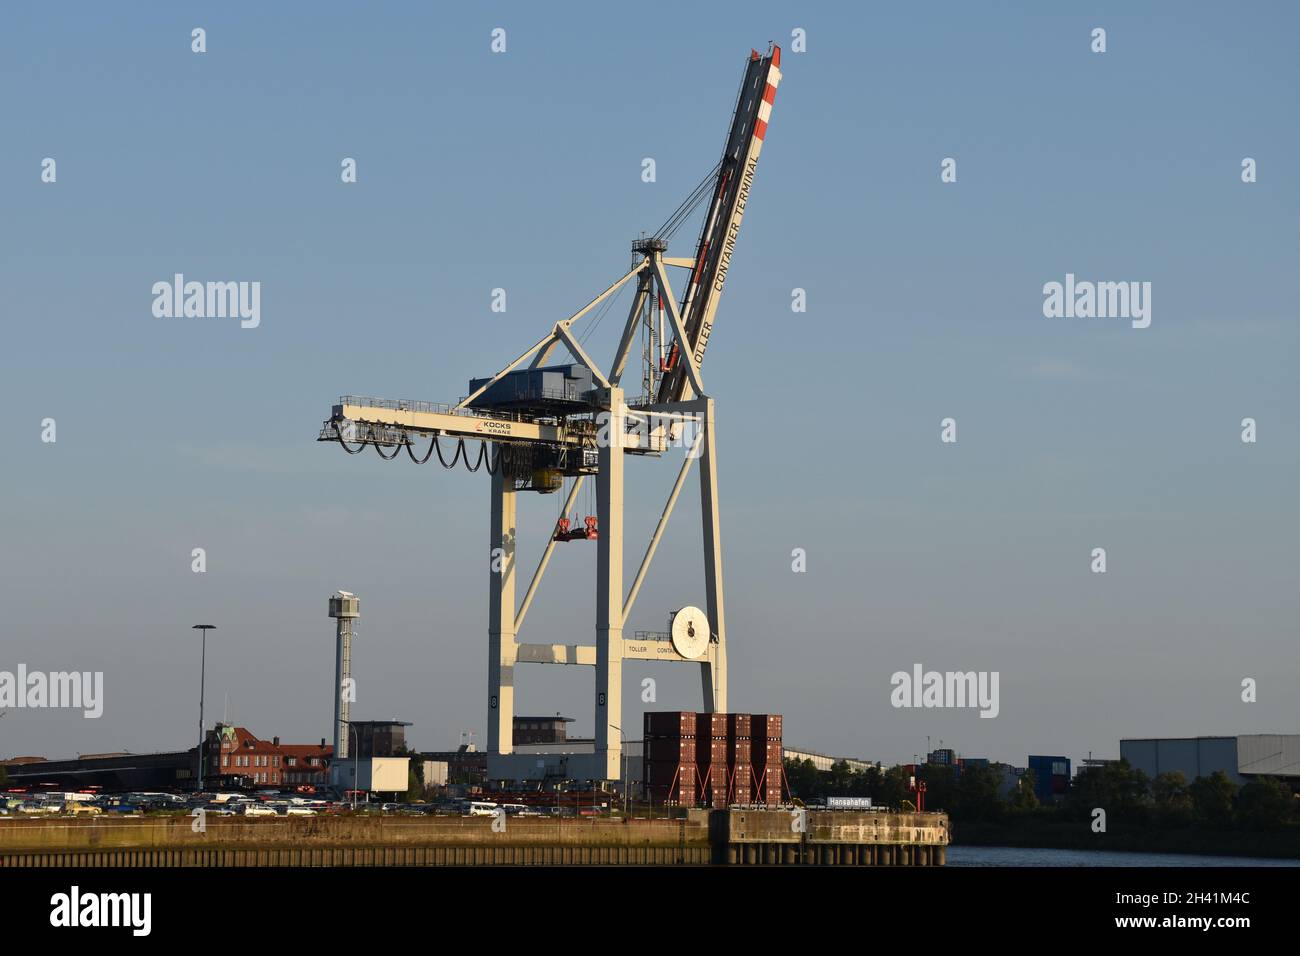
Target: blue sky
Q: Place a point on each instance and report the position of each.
(522, 171)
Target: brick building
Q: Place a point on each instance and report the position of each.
(235, 752)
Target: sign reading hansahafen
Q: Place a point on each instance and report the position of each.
(848, 803)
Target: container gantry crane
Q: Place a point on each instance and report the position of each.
(539, 424)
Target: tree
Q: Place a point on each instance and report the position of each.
(940, 786)
(802, 778)
(1212, 798)
(840, 779)
(978, 795)
(1265, 804)
(1023, 797)
(893, 787)
(1116, 787)
(415, 775)
(1173, 799)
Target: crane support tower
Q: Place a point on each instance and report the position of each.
(345, 609)
(539, 426)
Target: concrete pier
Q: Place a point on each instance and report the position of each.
(695, 838)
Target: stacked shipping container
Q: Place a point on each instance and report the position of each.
(739, 767)
(713, 760)
(669, 753)
(765, 749)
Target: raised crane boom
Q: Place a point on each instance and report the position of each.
(722, 222)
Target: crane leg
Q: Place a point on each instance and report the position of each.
(609, 597)
(714, 673)
(502, 648)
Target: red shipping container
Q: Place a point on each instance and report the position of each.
(766, 750)
(669, 749)
(680, 796)
(711, 785)
(767, 762)
(765, 726)
(710, 725)
(740, 784)
(738, 751)
(738, 725)
(655, 769)
(669, 723)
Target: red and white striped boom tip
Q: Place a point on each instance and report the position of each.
(769, 92)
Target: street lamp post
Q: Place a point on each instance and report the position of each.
(356, 763)
(203, 668)
(356, 758)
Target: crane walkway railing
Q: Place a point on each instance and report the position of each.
(433, 408)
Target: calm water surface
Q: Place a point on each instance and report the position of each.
(1015, 856)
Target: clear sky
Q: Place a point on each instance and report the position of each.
(522, 170)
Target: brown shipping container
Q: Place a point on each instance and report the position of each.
(710, 725)
(738, 725)
(712, 751)
(769, 756)
(765, 726)
(680, 796)
(663, 771)
(675, 750)
(669, 723)
(712, 775)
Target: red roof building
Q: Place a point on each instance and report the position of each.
(235, 752)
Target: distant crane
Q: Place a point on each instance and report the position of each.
(548, 423)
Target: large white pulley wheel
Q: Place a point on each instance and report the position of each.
(689, 631)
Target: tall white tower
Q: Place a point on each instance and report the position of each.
(344, 608)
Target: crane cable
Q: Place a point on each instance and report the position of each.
(689, 204)
(493, 462)
(339, 435)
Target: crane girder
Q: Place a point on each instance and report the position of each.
(721, 226)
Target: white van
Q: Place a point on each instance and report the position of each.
(480, 808)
